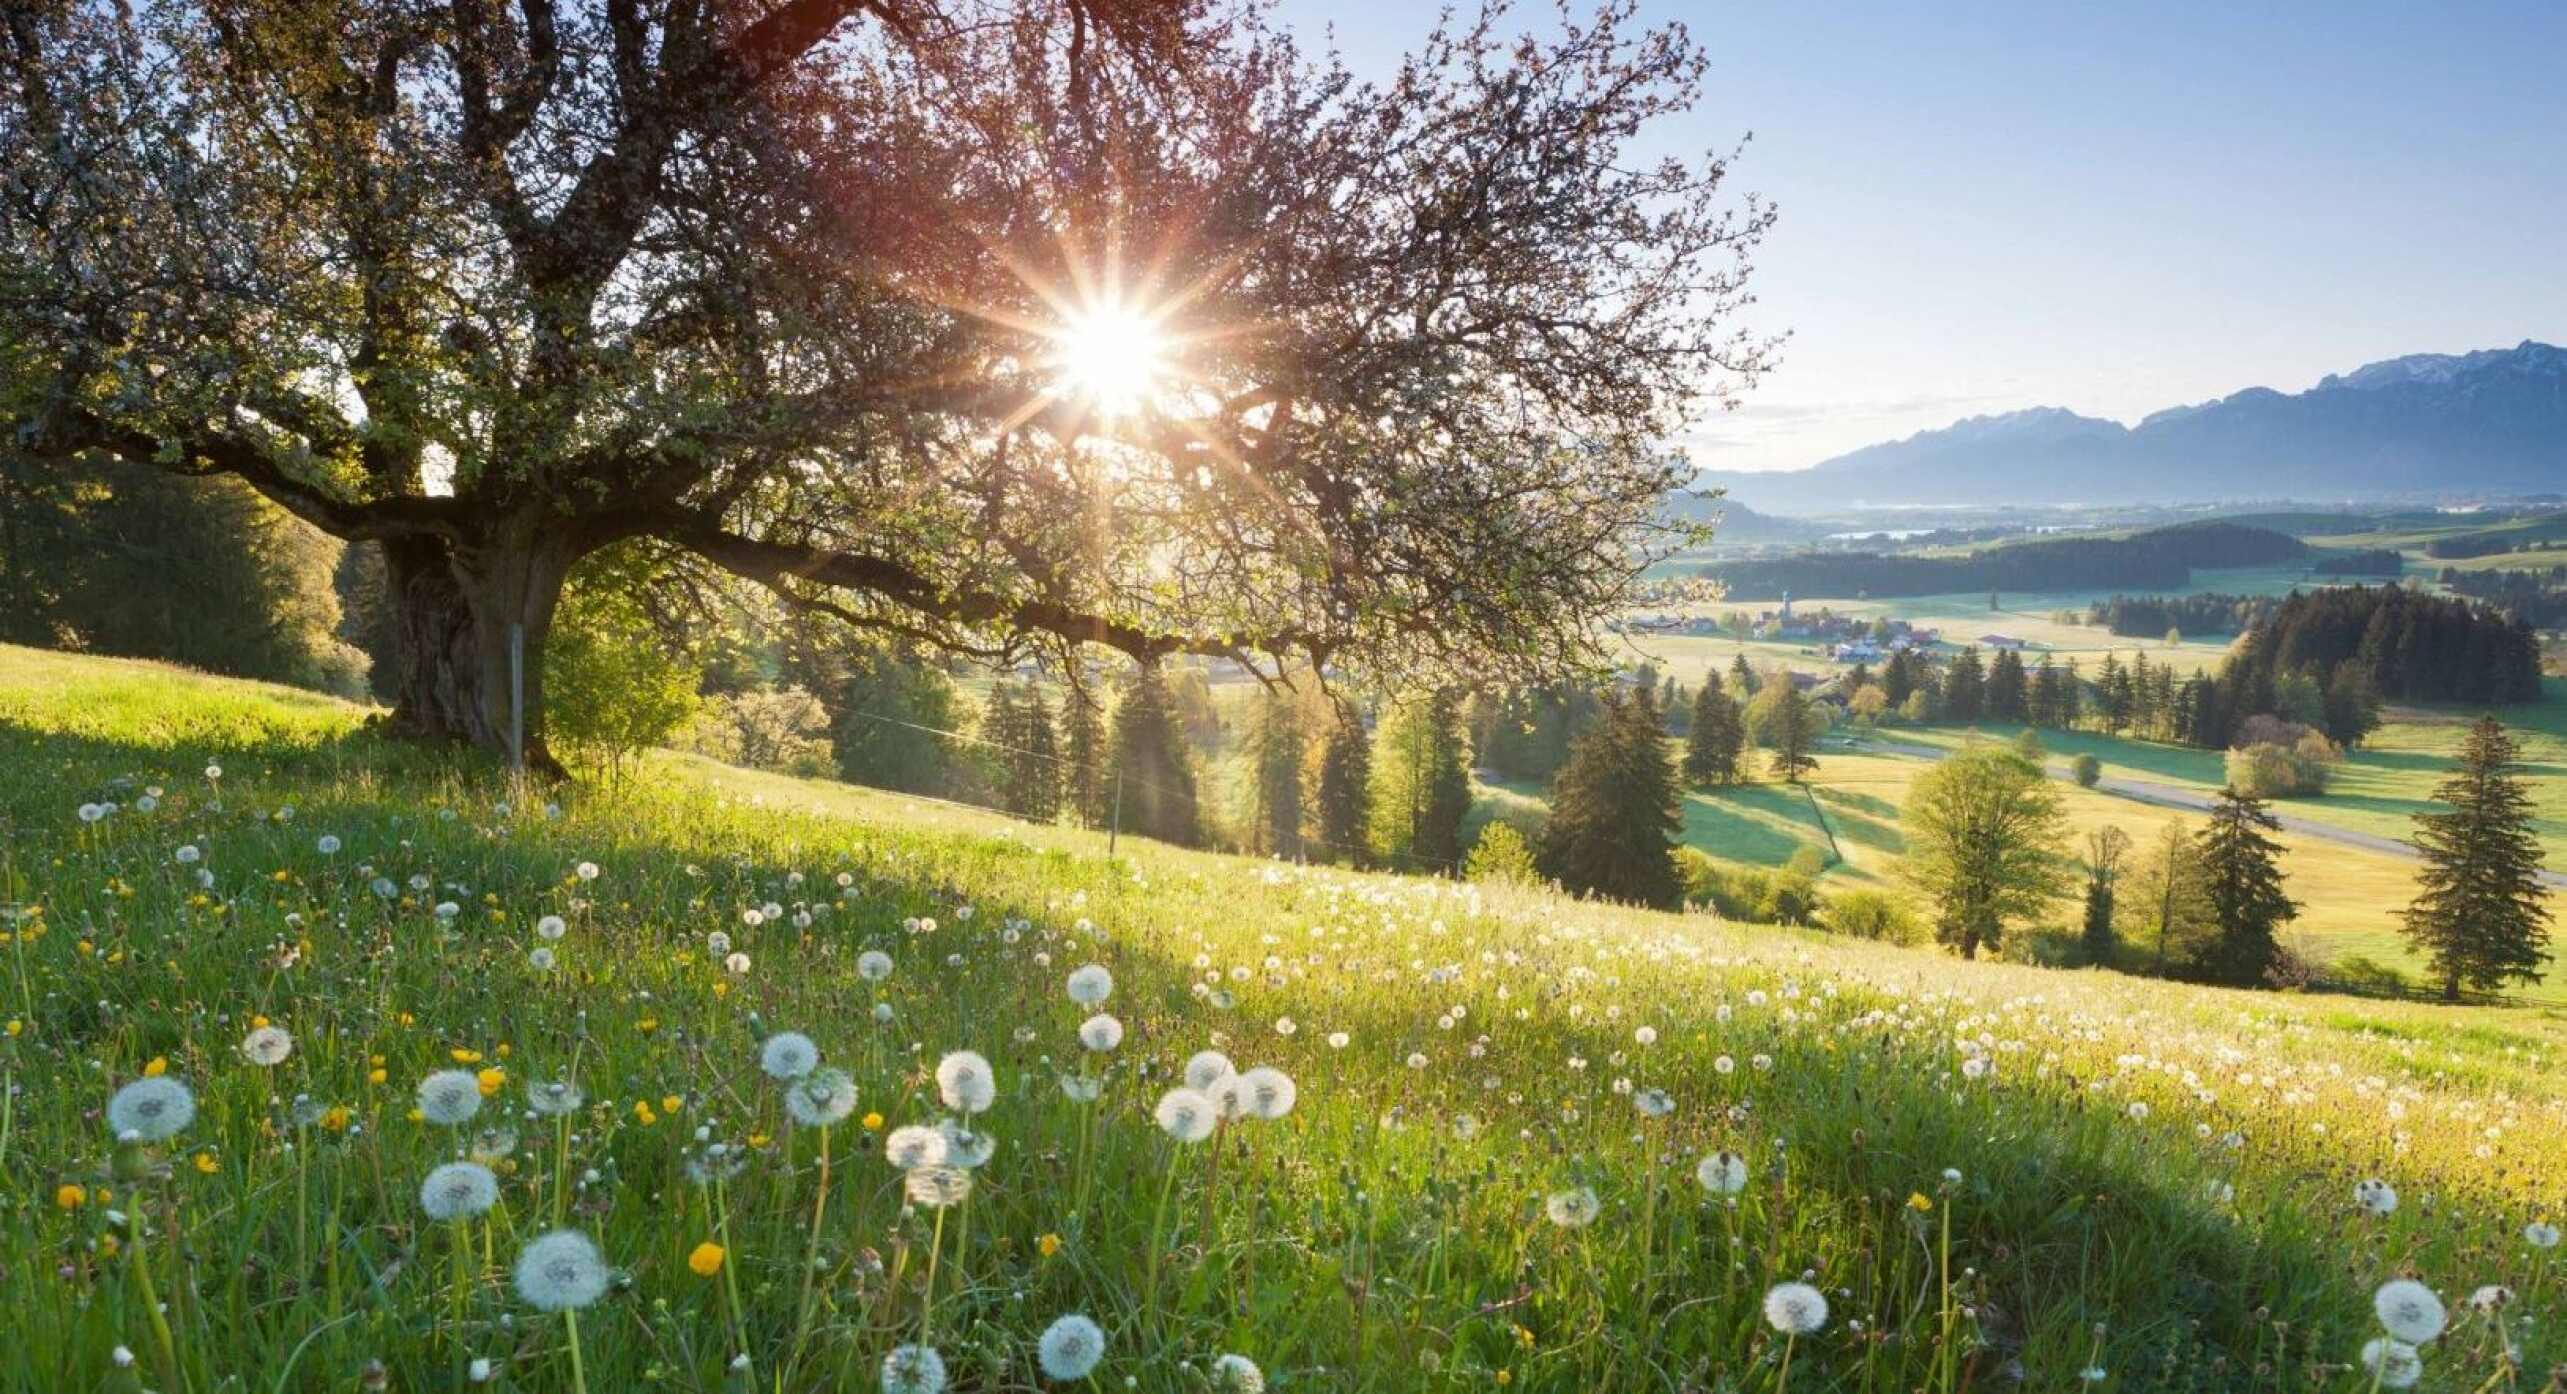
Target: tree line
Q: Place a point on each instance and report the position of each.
(2155, 559)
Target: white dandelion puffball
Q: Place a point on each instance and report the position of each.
(1237, 1374)
(935, 1188)
(788, 1055)
(873, 965)
(1723, 1173)
(560, 1272)
(541, 960)
(91, 813)
(1270, 1092)
(913, 1370)
(821, 1098)
(150, 1109)
(2491, 1298)
(2409, 1311)
(2393, 1363)
(188, 854)
(2540, 1235)
(912, 1147)
(1206, 1068)
(586, 871)
(1653, 1103)
(1795, 1309)
(554, 1098)
(450, 1097)
(963, 1078)
(458, 1191)
(1100, 1033)
(2376, 1196)
(552, 927)
(1080, 1090)
(1090, 986)
(328, 844)
(268, 1045)
(1187, 1115)
(1575, 1209)
(965, 1146)
(1070, 1349)
(1229, 1095)
(737, 963)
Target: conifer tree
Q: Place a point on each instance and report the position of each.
(1965, 690)
(1150, 775)
(1083, 781)
(2006, 694)
(2242, 876)
(1421, 784)
(1790, 730)
(1342, 793)
(1276, 744)
(1713, 741)
(2480, 915)
(1742, 677)
(1614, 819)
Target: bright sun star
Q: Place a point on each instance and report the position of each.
(1110, 356)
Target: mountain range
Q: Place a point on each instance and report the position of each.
(2489, 422)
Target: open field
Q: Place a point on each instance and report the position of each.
(2350, 896)
(2152, 1180)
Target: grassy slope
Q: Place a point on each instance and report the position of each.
(1371, 1241)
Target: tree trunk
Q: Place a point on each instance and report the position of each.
(453, 607)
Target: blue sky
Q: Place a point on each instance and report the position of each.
(2108, 207)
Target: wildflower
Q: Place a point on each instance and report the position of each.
(912, 1147)
(490, 1081)
(541, 960)
(1653, 1103)
(553, 1098)
(2392, 1364)
(1187, 1115)
(821, 1098)
(966, 1147)
(560, 1271)
(1070, 1349)
(91, 813)
(873, 965)
(1723, 1173)
(937, 1187)
(1237, 1374)
(1574, 1209)
(450, 1097)
(2376, 1196)
(788, 1055)
(1920, 1202)
(188, 855)
(2493, 1297)
(458, 1191)
(552, 927)
(1270, 1092)
(149, 1110)
(69, 1197)
(1205, 1069)
(913, 1370)
(586, 871)
(1048, 1245)
(328, 843)
(2409, 1310)
(705, 1260)
(1091, 985)
(2540, 1235)
(1795, 1309)
(1100, 1033)
(963, 1077)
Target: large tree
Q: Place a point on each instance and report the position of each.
(1985, 837)
(992, 324)
(2480, 914)
(1615, 809)
(1715, 736)
(2242, 881)
(1421, 783)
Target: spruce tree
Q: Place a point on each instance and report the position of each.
(2480, 915)
(1614, 818)
(1715, 737)
(1965, 689)
(1083, 781)
(2006, 695)
(1151, 776)
(1277, 746)
(1421, 784)
(1343, 790)
(1742, 677)
(2105, 849)
(2242, 874)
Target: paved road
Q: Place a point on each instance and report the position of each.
(2180, 796)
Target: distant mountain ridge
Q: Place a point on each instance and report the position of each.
(2491, 421)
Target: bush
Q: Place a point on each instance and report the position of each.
(2089, 770)
(1873, 915)
(2359, 973)
(774, 728)
(1750, 895)
(1501, 854)
(613, 686)
(2275, 772)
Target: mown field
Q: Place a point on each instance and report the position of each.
(1492, 1172)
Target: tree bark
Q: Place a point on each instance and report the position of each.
(453, 607)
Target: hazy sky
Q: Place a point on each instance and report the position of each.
(2109, 207)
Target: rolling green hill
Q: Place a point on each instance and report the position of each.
(1991, 1174)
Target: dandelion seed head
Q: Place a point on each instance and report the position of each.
(151, 1109)
(788, 1055)
(1187, 1115)
(1091, 985)
(821, 1098)
(267, 1045)
(560, 1271)
(458, 1190)
(964, 1080)
(2409, 1310)
(1070, 1348)
(1795, 1309)
(1205, 1068)
(1573, 1209)
(913, 1370)
(450, 1097)
(2393, 1363)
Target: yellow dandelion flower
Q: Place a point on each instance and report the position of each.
(873, 1122)
(1917, 1201)
(1048, 1245)
(336, 1119)
(642, 1113)
(647, 1025)
(157, 1066)
(463, 1056)
(706, 1260)
(70, 1197)
(671, 1103)
(205, 1163)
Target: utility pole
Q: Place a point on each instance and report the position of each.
(517, 697)
(1114, 829)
